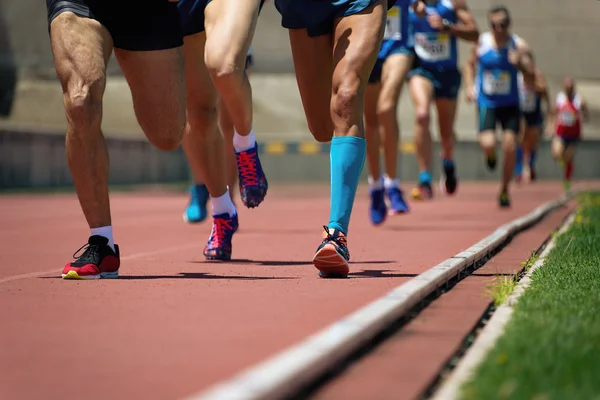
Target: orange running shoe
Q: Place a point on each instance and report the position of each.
(332, 256)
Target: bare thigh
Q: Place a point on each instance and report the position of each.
(509, 141)
(202, 95)
(81, 49)
(421, 92)
(157, 82)
(230, 27)
(357, 39)
(393, 75)
(313, 66)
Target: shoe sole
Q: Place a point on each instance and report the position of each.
(398, 212)
(103, 275)
(419, 196)
(330, 263)
(213, 258)
(254, 204)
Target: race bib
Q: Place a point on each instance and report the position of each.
(528, 102)
(432, 46)
(392, 24)
(568, 118)
(496, 82)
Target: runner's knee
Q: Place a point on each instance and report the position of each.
(83, 100)
(556, 148)
(345, 101)
(222, 64)
(386, 109)
(487, 142)
(203, 117)
(509, 142)
(423, 115)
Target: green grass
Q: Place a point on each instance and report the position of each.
(504, 285)
(551, 346)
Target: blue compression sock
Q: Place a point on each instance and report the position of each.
(424, 177)
(519, 161)
(347, 158)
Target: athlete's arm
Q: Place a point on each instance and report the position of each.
(469, 74)
(521, 58)
(467, 28)
(419, 7)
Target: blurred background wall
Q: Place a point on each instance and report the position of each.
(563, 35)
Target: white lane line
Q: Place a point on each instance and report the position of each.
(126, 258)
(296, 366)
(492, 331)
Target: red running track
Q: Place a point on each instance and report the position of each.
(174, 324)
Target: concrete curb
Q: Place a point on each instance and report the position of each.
(492, 331)
(291, 369)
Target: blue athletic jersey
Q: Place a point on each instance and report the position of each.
(398, 29)
(435, 48)
(497, 82)
(531, 100)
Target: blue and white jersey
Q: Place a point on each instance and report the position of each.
(434, 48)
(496, 76)
(398, 27)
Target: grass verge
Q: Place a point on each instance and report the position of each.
(551, 346)
(504, 285)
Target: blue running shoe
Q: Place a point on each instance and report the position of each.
(219, 245)
(397, 203)
(253, 182)
(378, 209)
(196, 209)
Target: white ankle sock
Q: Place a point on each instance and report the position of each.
(222, 204)
(375, 184)
(105, 231)
(389, 183)
(243, 143)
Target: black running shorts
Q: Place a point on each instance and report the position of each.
(136, 25)
(508, 117)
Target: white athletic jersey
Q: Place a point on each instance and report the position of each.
(561, 100)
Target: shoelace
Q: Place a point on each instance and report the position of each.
(90, 254)
(339, 240)
(220, 231)
(247, 167)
